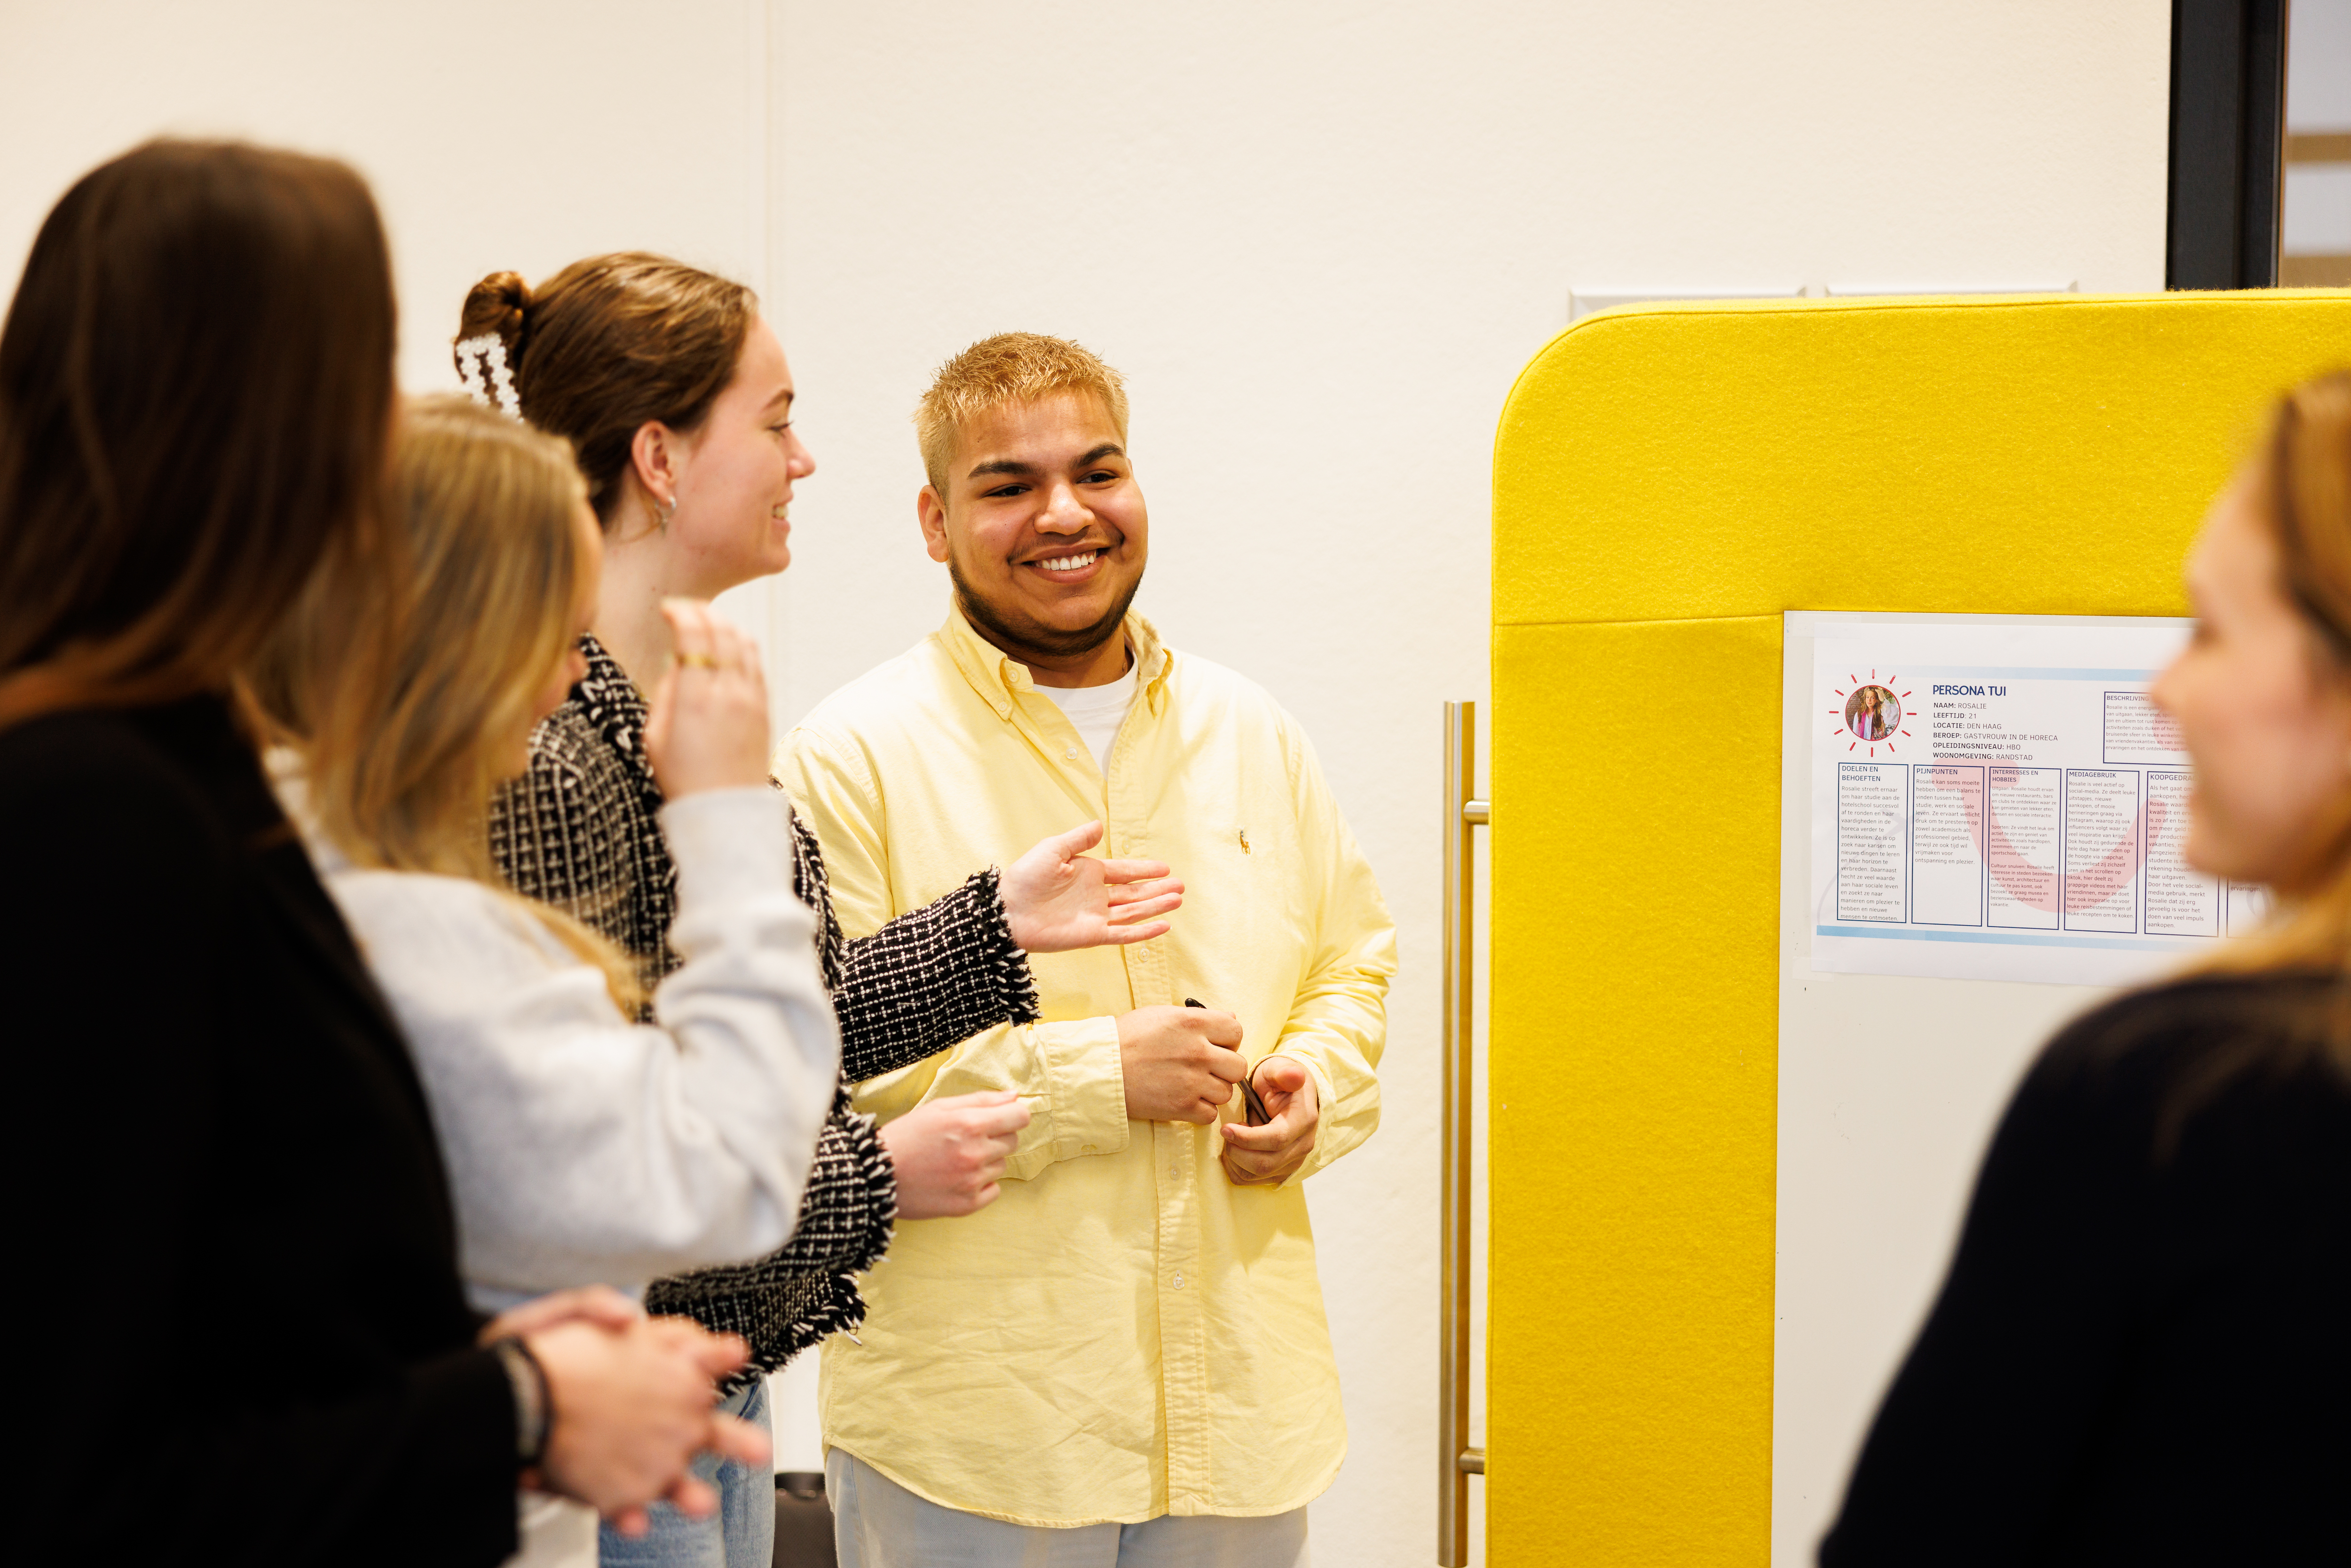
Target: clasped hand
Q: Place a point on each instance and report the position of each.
(632, 1400)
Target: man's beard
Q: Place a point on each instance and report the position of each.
(1030, 637)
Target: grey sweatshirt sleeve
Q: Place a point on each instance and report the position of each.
(585, 1148)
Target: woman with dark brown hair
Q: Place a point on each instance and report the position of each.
(675, 394)
(2143, 1352)
(222, 1164)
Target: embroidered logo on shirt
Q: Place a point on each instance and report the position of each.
(1245, 848)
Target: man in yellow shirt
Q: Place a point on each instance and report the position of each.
(1127, 1350)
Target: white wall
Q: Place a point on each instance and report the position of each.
(497, 135)
(1320, 239)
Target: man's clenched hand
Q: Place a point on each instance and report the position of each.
(1181, 1064)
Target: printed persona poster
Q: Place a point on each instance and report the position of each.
(1996, 797)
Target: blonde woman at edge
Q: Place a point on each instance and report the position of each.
(582, 1147)
(2140, 1353)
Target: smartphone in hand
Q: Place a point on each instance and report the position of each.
(1258, 1114)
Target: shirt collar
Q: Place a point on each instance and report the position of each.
(998, 677)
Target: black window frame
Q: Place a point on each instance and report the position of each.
(2228, 140)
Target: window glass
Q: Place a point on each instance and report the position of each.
(2315, 239)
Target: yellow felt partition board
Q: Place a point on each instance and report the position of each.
(1667, 482)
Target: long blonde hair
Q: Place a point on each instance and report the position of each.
(402, 754)
(2303, 491)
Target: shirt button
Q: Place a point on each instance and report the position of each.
(1179, 1281)
(1070, 752)
(1087, 1150)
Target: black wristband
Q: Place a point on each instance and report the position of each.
(534, 1406)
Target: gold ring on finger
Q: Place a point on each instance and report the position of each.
(698, 661)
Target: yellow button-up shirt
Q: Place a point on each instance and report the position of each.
(1124, 1332)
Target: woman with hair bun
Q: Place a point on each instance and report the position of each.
(676, 396)
(224, 1176)
(2142, 1353)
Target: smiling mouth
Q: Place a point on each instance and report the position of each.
(1076, 561)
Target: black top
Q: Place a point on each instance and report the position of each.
(229, 1205)
(581, 830)
(2143, 1352)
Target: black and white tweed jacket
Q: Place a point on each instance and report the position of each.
(581, 831)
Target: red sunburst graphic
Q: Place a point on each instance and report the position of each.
(1873, 713)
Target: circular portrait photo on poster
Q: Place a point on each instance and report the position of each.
(1873, 713)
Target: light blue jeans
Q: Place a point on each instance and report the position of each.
(741, 1535)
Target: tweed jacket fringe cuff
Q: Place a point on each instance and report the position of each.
(930, 980)
(806, 1289)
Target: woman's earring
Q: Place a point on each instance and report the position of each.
(663, 512)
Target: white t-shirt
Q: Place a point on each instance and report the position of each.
(1097, 712)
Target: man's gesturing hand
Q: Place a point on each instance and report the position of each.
(1263, 1156)
(1058, 898)
(1181, 1064)
(949, 1152)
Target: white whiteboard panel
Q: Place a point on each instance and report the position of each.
(1583, 302)
(1890, 1088)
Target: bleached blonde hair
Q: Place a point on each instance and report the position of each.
(1011, 366)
